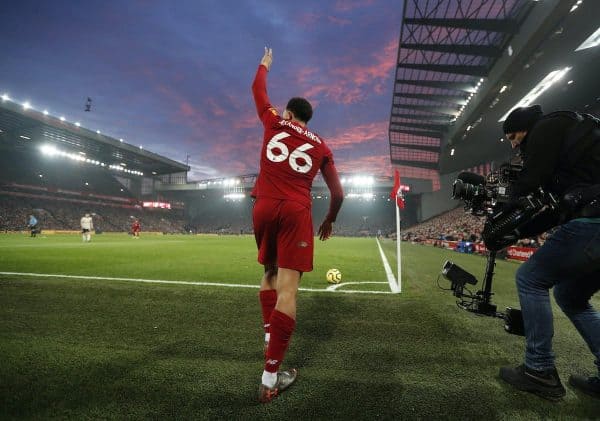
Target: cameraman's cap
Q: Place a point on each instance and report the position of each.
(522, 119)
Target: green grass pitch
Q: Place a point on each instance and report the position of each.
(84, 348)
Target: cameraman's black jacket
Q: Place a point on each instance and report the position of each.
(558, 160)
(546, 162)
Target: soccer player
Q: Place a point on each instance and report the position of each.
(290, 158)
(136, 228)
(87, 225)
(33, 225)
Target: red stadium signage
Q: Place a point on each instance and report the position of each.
(157, 205)
(520, 253)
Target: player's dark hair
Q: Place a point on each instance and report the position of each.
(301, 108)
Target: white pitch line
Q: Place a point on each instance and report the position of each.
(161, 281)
(336, 286)
(388, 271)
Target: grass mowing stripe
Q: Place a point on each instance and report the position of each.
(162, 281)
(388, 270)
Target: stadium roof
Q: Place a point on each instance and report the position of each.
(20, 123)
(553, 61)
(447, 49)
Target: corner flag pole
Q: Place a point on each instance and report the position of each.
(398, 241)
(396, 196)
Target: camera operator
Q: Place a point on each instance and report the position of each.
(560, 157)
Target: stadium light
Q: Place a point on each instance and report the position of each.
(77, 124)
(234, 196)
(360, 181)
(504, 88)
(550, 79)
(591, 41)
(26, 105)
(25, 137)
(45, 112)
(5, 97)
(366, 196)
(121, 140)
(62, 118)
(452, 152)
(49, 150)
(98, 131)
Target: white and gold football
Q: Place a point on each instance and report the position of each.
(334, 276)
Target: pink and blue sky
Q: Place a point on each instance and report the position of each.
(175, 76)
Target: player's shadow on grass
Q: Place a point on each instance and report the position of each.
(318, 315)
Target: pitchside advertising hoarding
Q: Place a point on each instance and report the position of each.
(513, 252)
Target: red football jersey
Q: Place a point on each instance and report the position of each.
(291, 155)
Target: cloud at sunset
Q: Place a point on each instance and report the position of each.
(178, 81)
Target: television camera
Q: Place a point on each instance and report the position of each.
(506, 222)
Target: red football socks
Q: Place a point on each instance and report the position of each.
(282, 327)
(268, 299)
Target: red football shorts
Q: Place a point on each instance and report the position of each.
(284, 234)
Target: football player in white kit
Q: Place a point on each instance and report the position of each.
(87, 225)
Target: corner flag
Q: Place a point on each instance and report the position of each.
(396, 193)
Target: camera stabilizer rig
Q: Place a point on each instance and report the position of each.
(489, 196)
(480, 302)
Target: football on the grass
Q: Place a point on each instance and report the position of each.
(334, 276)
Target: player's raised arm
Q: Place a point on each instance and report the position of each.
(337, 197)
(259, 88)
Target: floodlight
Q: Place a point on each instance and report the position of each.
(48, 150)
(62, 118)
(452, 152)
(45, 112)
(77, 123)
(26, 105)
(5, 97)
(504, 88)
(98, 131)
(592, 41)
(539, 89)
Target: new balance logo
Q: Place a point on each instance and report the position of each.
(547, 381)
(272, 362)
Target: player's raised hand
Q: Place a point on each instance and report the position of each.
(325, 230)
(267, 58)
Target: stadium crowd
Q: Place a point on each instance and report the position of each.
(456, 225)
(66, 215)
